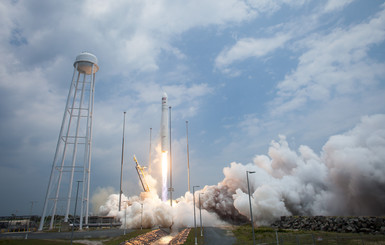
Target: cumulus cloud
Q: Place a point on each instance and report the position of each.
(142, 30)
(335, 64)
(133, 34)
(247, 48)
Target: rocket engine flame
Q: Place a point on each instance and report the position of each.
(164, 176)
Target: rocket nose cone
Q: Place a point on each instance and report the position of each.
(164, 95)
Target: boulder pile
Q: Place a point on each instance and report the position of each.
(332, 223)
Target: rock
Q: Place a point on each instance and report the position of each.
(365, 230)
(331, 223)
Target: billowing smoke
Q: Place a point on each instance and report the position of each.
(148, 210)
(100, 197)
(346, 178)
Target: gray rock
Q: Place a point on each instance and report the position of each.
(331, 223)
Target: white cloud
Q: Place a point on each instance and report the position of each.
(133, 34)
(334, 64)
(249, 47)
(250, 124)
(180, 96)
(272, 6)
(141, 30)
(333, 5)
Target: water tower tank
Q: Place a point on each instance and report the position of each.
(84, 63)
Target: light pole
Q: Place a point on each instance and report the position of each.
(121, 164)
(251, 211)
(200, 211)
(195, 223)
(76, 203)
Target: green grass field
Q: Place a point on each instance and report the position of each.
(191, 237)
(112, 241)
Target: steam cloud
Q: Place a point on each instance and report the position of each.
(346, 178)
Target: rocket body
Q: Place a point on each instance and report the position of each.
(164, 124)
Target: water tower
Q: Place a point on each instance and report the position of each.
(72, 160)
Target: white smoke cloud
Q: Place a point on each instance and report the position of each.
(346, 178)
(356, 164)
(99, 197)
(156, 212)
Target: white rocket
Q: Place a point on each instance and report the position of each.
(164, 124)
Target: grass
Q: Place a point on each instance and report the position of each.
(243, 234)
(35, 242)
(191, 237)
(267, 235)
(112, 241)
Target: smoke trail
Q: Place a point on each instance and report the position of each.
(346, 178)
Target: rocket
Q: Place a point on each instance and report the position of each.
(164, 124)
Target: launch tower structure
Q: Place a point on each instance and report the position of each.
(72, 159)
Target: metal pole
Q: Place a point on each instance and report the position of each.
(200, 212)
(121, 166)
(149, 154)
(195, 223)
(188, 159)
(251, 212)
(170, 159)
(76, 203)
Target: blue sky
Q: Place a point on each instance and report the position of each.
(241, 73)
